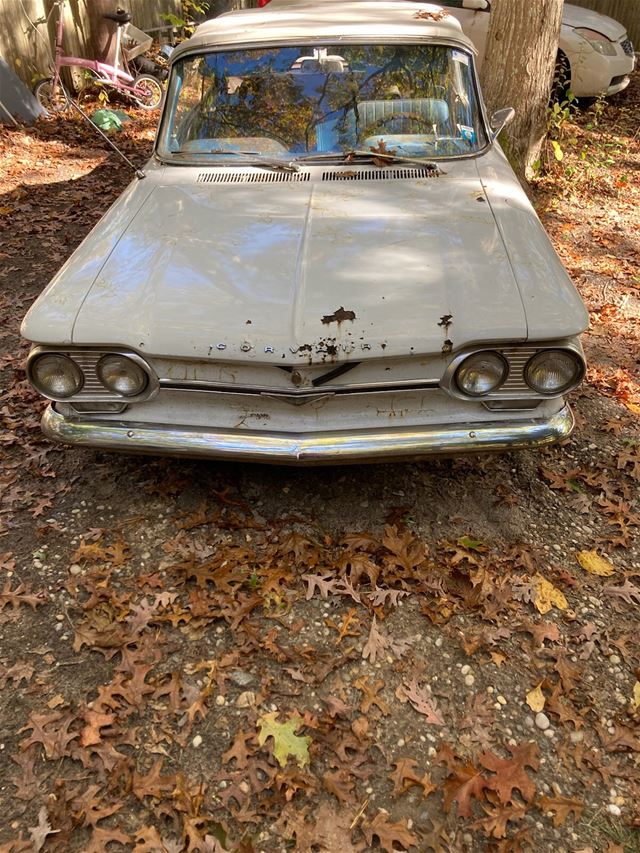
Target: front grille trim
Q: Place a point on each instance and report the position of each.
(514, 388)
(627, 46)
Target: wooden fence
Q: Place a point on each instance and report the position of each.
(26, 39)
(625, 11)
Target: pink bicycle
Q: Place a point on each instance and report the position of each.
(144, 89)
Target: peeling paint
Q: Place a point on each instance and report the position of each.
(339, 316)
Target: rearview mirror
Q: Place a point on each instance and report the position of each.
(500, 119)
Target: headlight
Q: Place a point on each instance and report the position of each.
(553, 371)
(481, 373)
(56, 375)
(122, 375)
(598, 41)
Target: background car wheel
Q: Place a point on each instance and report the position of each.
(149, 92)
(53, 99)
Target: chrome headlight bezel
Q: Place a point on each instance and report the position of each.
(501, 372)
(569, 385)
(517, 356)
(86, 360)
(126, 364)
(67, 363)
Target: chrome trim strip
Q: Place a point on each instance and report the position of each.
(308, 448)
(306, 392)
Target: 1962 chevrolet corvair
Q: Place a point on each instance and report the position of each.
(329, 259)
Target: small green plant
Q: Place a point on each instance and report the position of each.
(190, 9)
(559, 116)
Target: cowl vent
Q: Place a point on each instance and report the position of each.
(261, 177)
(380, 174)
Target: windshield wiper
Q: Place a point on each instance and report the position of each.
(261, 160)
(351, 156)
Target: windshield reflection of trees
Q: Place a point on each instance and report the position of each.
(323, 99)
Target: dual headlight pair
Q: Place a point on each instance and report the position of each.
(58, 376)
(549, 372)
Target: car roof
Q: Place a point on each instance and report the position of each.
(302, 21)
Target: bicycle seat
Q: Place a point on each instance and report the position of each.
(120, 16)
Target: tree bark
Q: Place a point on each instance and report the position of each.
(518, 70)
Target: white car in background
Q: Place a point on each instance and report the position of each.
(595, 53)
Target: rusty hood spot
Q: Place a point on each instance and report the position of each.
(339, 316)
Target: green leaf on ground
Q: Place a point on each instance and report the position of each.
(285, 741)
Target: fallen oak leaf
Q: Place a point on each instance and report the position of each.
(495, 824)
(404, 777)
(52, 731)
(21, 595)
(511, 772)
(378, 597)
(421, 701)
(324, 583)
(42, 831)
(95, 721)
(152, 784)
(239, 751)
(624, 739)
(285, 741)
(101, 837)
(371, 696)
(561, 808)
(388, 834)
(376, 644)
(465, 782)
(627, 592)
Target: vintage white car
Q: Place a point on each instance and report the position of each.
(328, 260)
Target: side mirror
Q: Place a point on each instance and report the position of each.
(500, 119)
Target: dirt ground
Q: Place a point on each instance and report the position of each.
(198, 656)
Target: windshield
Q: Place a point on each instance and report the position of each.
(293, 102)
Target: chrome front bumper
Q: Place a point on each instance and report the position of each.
(309, 448)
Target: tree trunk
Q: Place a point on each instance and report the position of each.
(518, 70)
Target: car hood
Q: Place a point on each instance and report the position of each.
(250, 263)
(576, 16)
(307, 268)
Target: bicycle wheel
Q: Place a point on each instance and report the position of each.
(51, 98)
(149, 92)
